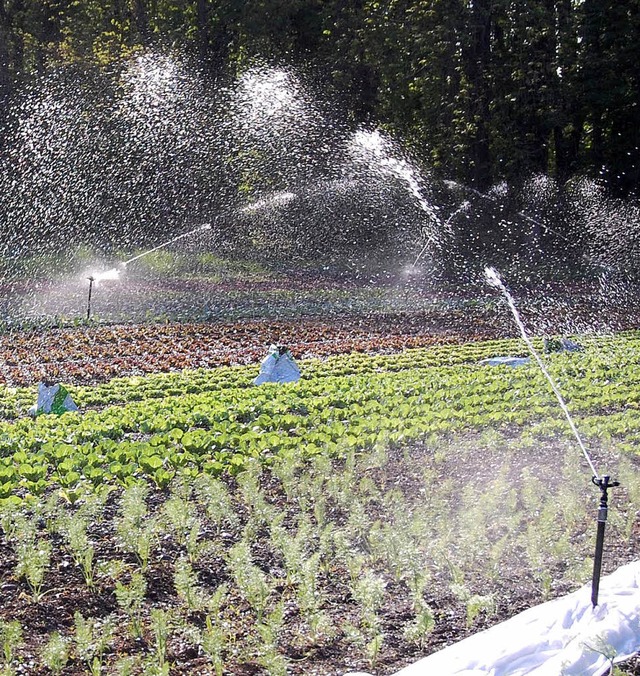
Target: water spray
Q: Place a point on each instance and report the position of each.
(206, 226)
(114, 273)
(522, 214)
(447, 225)
(274, 200)
(530, 219)
(604, 483)
(377, 151)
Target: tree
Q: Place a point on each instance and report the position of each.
(482, 89)
(476, 58)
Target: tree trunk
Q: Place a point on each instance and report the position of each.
(141, 20)
(5, 72)
(568, 128)
(594, 78)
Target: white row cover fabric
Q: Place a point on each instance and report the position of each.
(278, 367)
(563, 637)
(52, 399)
(505, 361)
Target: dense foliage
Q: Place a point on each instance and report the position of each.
(483, 90)
(216, 421)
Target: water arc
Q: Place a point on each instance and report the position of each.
(493, 279)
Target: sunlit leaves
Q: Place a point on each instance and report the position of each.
(216, 421)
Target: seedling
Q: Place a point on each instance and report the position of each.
(131, 598)
(161, 627)
(250, 580)
(420, 628)
(91, 640)
(269, 630)
(74, 528)
(187, 587)
(11, 638)
(55, 653)
(213, 640)
(33, 556)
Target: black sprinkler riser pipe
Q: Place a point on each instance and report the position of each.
(597, 563)
(89, 300)
(603, 484)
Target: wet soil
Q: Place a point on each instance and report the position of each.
(330, 653)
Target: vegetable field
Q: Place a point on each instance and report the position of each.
(380, 508)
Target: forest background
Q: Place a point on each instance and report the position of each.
(485, 90)
(480, 91)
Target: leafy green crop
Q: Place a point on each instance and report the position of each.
(215, 420)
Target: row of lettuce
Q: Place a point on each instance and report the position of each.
(214, 420)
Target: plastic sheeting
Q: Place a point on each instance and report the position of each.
(506, 361)
(52, 399)
(278, 367)
(561, 345)
(566, 636)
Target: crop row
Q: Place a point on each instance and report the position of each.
(217, 420)
(120, 390)
(357, 555)
(98, 353)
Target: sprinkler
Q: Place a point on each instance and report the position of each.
(114, 273)
(603, 483)
(97, 277)
(91, 279)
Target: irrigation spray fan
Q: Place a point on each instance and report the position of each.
(604, 483)
(114, 273)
